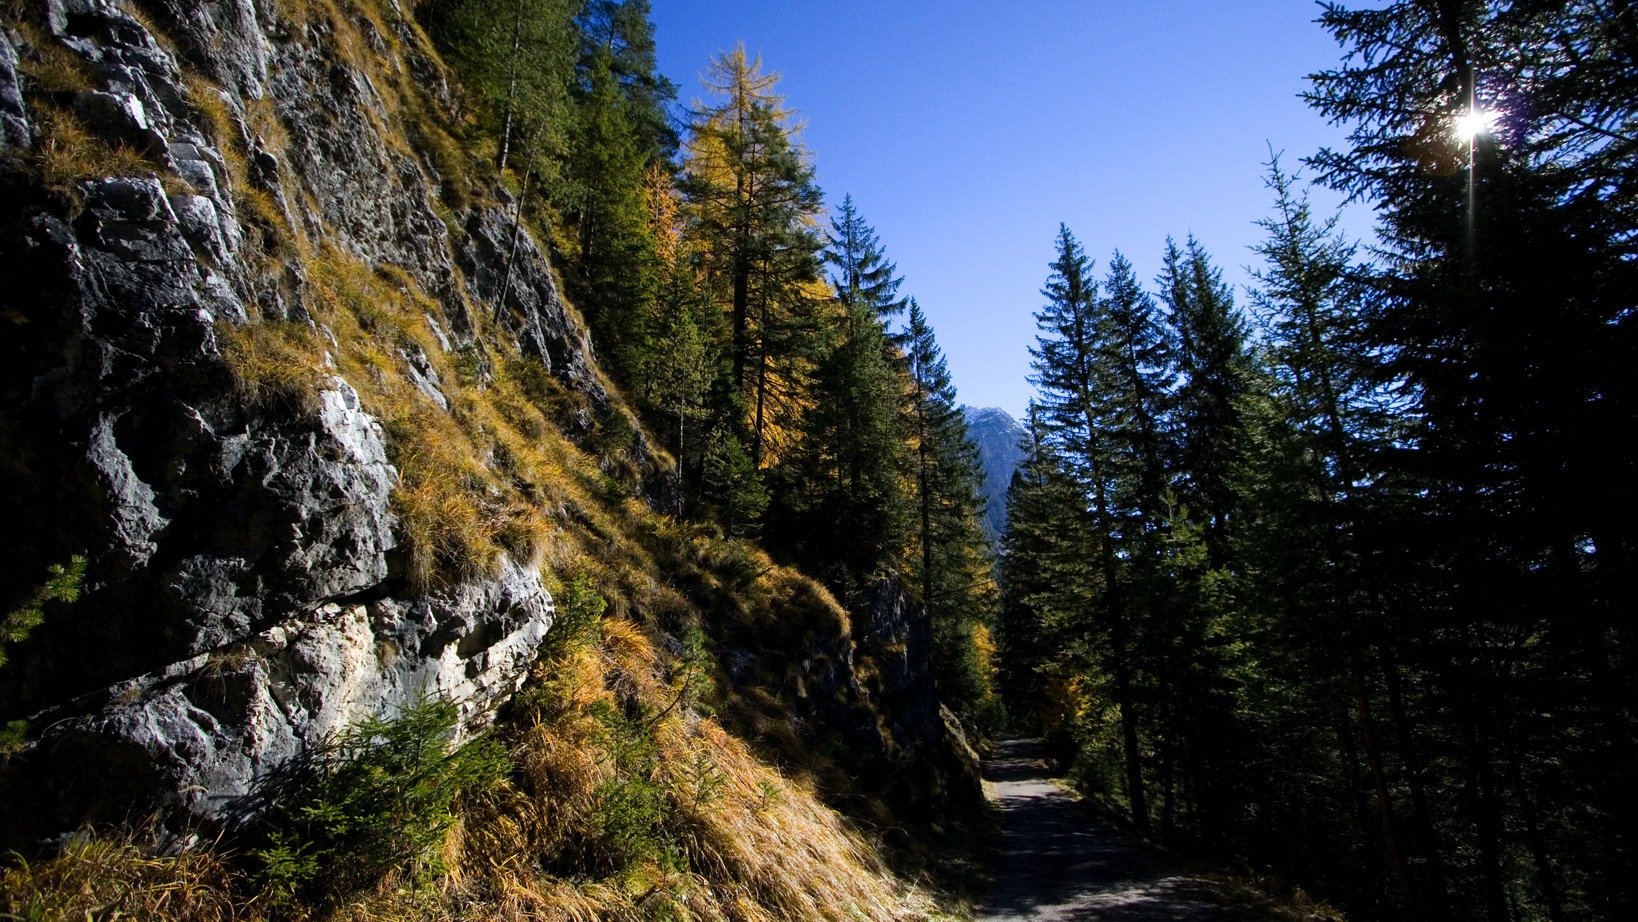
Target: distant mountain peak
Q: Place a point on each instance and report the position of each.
(998, 437)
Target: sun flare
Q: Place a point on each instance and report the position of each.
(1474, 123)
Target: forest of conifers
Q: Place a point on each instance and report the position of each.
(1333, 585)
(749, 326)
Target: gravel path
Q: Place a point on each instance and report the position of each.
(1058, 864)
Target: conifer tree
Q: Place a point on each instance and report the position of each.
(956, 570)
(1077, 372)
(862, 273)
(1134, 377)
(1047, 577)
(1504, 311)
(620, 33)
(518, 58)
(615, 273)
(1213, 374)
(753, 205)
(845, 505)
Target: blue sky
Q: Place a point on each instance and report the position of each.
(966, 131)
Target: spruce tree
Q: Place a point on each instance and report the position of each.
(620, 33)
(861, 273)
(1504, 309)
(1047, 577)
(1213, 374)
(1076, 372)
(956, 569)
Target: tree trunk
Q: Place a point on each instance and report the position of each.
(1379, 779)
(1545, 876)
(511, 84)
(1486, 809)
(1437, 897)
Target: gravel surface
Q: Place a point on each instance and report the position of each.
(1058, 863)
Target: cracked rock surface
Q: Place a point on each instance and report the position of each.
(244, 595)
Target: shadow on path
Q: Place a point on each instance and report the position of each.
(1058, 863)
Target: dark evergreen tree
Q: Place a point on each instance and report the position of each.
(619, 33)
(862, 274)
(1047, 578)
(517, 58)
(1083, 420)
(1213, 374)
(615, 271)
(1134, 368)
(1505, 307)
(842, 508)
(852, 458)
(955, 567)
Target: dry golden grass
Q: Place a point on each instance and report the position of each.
(68, 154)
(49, 66)
(628, 799)
(112, 877)
(274, 364)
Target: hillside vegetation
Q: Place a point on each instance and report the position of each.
(387, 301)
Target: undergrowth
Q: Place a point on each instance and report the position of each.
(629, 779)
(378, 798)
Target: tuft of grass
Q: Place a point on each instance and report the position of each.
(276, 365)
(48, 67)
(69, 154)
(112, 876)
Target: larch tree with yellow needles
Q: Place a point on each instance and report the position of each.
(753, 207)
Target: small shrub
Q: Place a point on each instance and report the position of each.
(13, 738)
(379, 797)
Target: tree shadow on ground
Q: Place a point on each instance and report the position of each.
(1058, 862)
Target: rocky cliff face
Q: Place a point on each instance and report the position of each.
(274, 362)
(999, 438)
(246, 590)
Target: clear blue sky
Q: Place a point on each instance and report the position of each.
(966, 131)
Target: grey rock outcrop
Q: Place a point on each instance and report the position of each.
(245, 595)
(226, 718)
(14, 128)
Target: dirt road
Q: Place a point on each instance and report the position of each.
(1058, 864)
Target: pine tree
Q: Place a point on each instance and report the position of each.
(1134, 368)
(615, 273)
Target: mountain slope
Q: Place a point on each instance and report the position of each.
(999, 438)
(291, 371)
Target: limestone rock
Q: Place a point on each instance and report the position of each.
(244, 596)
(14, 129)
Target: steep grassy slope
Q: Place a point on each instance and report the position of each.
(292, 373)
